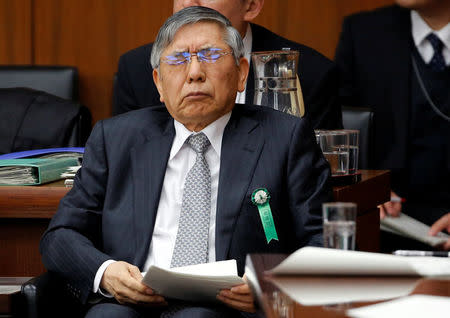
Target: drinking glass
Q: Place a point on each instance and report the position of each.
(353, 150)
(339, 225)
(335, 148)
(317, 132)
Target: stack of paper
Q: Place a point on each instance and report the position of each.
(325, 261)
(69, 174)
(193, 283)
(416, 306)
(409, 227)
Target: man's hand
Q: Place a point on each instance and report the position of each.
(391, 208)
(442, 224)
(123, 281)
(239, 297)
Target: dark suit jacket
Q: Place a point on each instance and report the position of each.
(111, 210)
(374, 60)
(135, 88)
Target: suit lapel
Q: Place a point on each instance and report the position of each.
(241, 146)
(149, 161)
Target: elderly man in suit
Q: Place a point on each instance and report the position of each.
(181, 184)
(135, 89)
(396, 60)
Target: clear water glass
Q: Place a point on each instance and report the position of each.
(335, 148)
(339, 225)
(353, 150)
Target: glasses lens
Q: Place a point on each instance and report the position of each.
(177, 58)
(210, 55)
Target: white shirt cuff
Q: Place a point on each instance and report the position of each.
(98, 278)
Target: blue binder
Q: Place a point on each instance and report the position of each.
(39, 152)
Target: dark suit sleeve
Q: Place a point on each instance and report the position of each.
(70, 246)
(308, 185)
(321, 99)
(124, 96)
(344, 59)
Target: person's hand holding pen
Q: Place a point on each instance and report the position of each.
(442, 224)
(391, 208)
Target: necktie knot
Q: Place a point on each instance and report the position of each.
(435, 42)
(198, 142)
(437, 62)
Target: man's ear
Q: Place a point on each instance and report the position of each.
(243, 73)
(157, 80)
(253, 8)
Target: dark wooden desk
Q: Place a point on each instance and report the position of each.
(25, 212)
(275, 303)
(10, 301)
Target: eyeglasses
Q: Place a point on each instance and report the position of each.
(209, 55)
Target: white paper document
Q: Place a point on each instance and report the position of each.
(9, 289)
(312, 291)
(325, 261)
(416, 306)
(407, 226)
(200, 282)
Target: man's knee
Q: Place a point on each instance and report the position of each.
(205, 312)
(111, 310)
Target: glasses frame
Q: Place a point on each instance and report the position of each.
(201, 56)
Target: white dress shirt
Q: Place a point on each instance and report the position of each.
(181, 159)
(420, 30)
(248, 39)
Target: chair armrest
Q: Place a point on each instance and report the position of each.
(46, 296)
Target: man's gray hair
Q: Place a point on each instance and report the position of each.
(191, 15)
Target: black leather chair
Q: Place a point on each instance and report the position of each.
(361, 118)
(61, 81)
(48, 296)
(31, 119)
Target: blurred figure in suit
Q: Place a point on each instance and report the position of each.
(396, 60)
(135, 88)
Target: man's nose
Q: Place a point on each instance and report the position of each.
(195, 70)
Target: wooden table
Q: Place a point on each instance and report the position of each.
(273, 302)
(25, 212)
(10, 301)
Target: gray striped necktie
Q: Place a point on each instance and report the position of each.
(191, 244)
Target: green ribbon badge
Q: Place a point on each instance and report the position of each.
(260, 198)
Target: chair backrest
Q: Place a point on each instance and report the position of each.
(61, 81)
(361, 118)
(31, 119)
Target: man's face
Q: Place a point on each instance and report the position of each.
(197, 93)
(234, 10)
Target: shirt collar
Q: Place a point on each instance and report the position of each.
(420, 30)
(213, 131)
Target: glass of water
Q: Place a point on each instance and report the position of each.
(353, 150)
(334, 145)
(339, 225)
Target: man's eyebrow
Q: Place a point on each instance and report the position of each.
(203, 47)
(179, 51)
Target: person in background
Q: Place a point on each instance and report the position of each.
(396, 61)
(442, 224)
(183, 184)
(135, 89)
